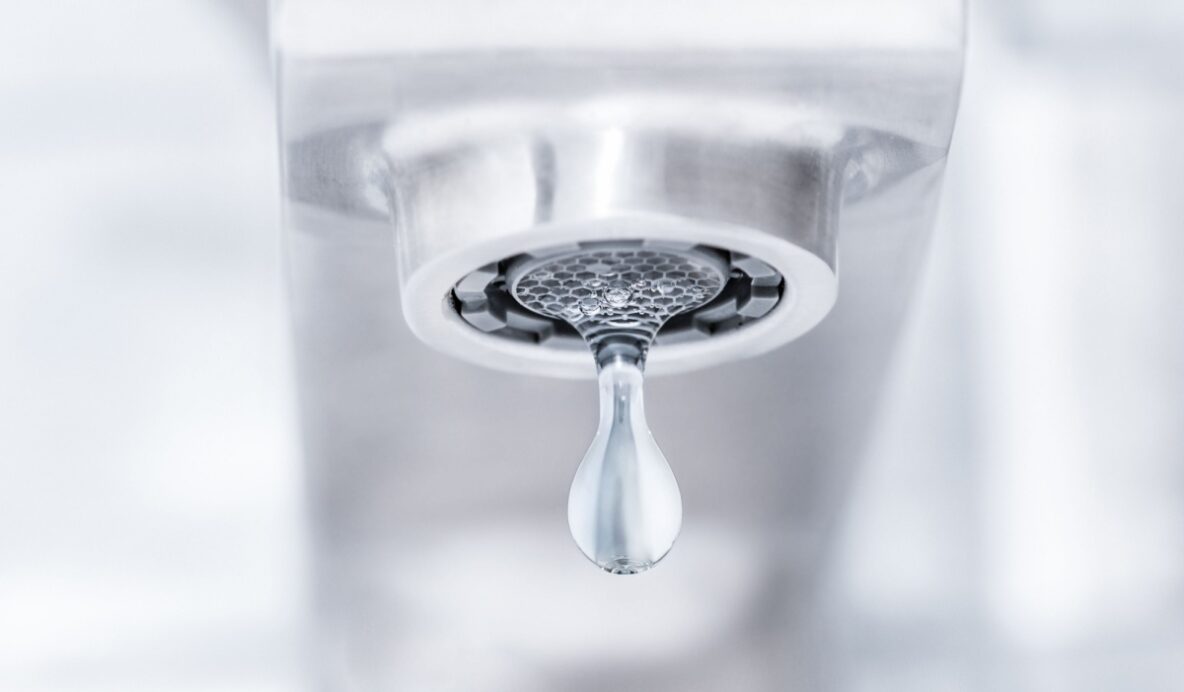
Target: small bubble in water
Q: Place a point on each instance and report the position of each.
(640, 284)
(594, 283)
(664, 286)
(589, 305)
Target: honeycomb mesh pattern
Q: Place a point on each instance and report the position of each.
(630, 291)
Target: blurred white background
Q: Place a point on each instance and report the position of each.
(148, 470)
(1018, 524)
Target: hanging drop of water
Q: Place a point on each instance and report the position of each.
(624, 508)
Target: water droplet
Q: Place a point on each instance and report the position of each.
(617, 296)
(624, 508)
(589, 305)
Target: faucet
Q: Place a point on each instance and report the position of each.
(485, 205)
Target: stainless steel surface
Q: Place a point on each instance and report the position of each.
(437, 496)
(437, 488)
(605, 163)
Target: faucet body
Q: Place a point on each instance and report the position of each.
(418, 151)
